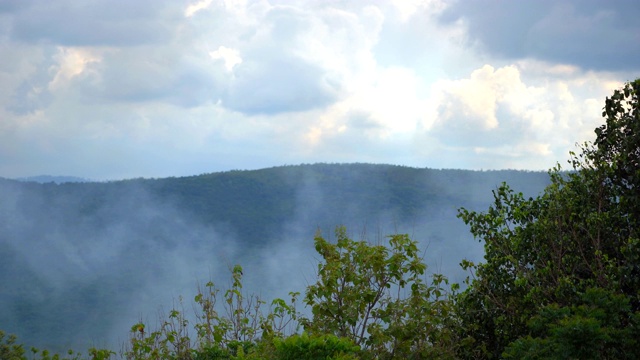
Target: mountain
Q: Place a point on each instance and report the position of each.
(86, 260)
(54, 179)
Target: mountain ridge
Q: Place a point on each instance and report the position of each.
(87, 259)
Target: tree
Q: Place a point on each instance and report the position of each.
(377, 297)
(10, 349)
(556, 263)
(241, 326)
(323, 347)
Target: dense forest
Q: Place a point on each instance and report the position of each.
(557, 274)
(99, 255)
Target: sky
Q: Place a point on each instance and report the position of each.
(112, 89)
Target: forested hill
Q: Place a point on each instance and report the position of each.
(85, 259)
(257, 203)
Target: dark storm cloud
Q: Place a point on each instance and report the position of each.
(90, 23)
(593, 34)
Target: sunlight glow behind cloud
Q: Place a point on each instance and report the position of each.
(195, 7)
(160, 89)
(230, 57)
(71, 62)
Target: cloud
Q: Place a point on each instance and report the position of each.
(598, 35)
(71, 62)
(140, 75)
(512, 115)
(282, 68)
(230, 57)
(110, 89)
(278, 84)
(195, 7)
(94, 22)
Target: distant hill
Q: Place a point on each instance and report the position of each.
(42, 179)
(86, 260)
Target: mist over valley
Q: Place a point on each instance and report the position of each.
(83, 261)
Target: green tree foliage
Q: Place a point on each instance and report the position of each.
(321, 347)
(371, 301)
(561, 277)
(595, 327)
(234, 328)
(377, 297)
(10, 349)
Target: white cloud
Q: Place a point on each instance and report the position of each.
(475, 99)
(70, 62)
(199, 86)
(192, 9)
(516, 116)
(391, 99)
(407, 8)
(230, 57)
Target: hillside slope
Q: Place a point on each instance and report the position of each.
(87, 260)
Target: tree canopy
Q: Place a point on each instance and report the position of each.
(561, 277)
(377, 296)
